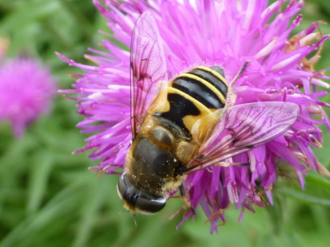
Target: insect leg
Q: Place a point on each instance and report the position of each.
(239, 73)
(187, 204)
(231, 93)
(185, 200)
(223, 164)
(226, 164)
(104, 169)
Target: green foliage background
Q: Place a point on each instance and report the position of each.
(48, 197)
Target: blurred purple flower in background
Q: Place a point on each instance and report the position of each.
(26, 91)
(225, 33)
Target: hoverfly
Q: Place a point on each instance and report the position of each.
(185, 124)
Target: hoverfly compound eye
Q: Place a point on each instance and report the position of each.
(121, 187)
(150, 206)
(134, 199)
(127, 192)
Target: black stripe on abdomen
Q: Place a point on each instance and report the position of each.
(198, 91)
(211, 78)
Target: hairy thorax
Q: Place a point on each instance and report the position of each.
(158, 157)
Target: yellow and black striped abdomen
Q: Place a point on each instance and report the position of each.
(205, 85)
(195, 95)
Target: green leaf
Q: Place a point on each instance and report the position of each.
(28, 12)
(30, 228)
(317, 190)
(275, 215)
(40, 170)
(94, 198)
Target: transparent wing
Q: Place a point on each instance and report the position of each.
(148, 66)
(243, 128)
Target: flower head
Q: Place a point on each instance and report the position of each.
(26, 91)
(225, 33)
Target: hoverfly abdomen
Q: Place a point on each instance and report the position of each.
(180, 106)
(192, 98)
(192, 85)
(214, 75)
(205, 85)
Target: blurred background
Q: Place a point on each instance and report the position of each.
(48, 197)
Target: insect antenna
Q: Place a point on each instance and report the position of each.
(239, 73)
(216, 215)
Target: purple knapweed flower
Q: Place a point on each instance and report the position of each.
(26, 91)
(225, 33)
